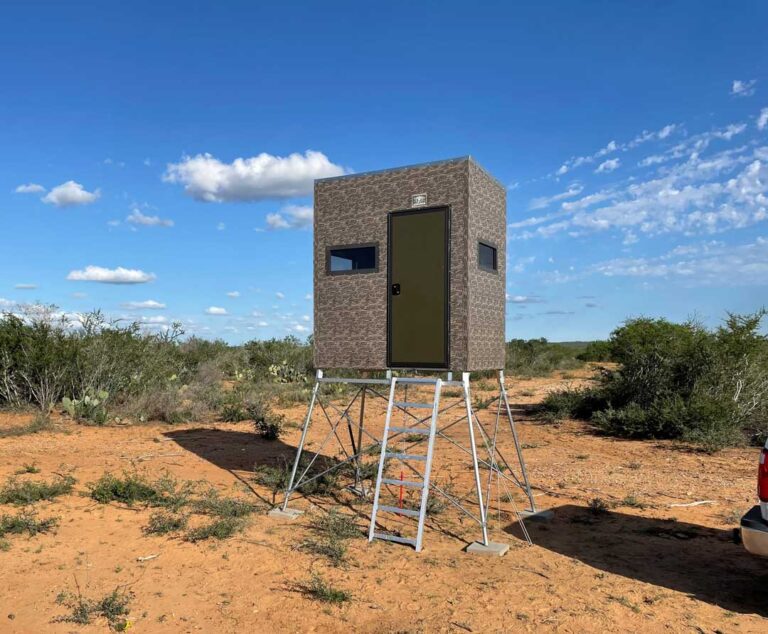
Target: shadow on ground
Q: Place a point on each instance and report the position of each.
(702, 562)
(230, 449)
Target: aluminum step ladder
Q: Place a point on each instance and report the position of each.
(406, 458)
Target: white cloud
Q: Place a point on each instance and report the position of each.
(299, 328)
(762, 119)
(138, 218)
(308, 297)
(280, 295)
(545, 201)
(666, 131)
(741, 88)
(149, 304)
(513, 186)
(119, 275)
(221, 226)
(305, 317)
(522, 263)
(291, 217)
(208, 179)
(154, 319)
(30, 188)
(262, 324)
(233, 294)
(577, 161)
(70, 194)
(707, 264)
(699, 195)
(730, 131)
(525, 299)
(25, 287)
(608, 166)
(6, 303)
(216, 310)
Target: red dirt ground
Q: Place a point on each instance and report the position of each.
(644, 564)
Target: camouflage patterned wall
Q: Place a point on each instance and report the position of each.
(487, 291)
(351, 310)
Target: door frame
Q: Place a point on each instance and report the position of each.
(447, 294)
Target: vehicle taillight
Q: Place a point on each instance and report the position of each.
(762, 477)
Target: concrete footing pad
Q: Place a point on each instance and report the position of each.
(493, 549)
(542, 515)
(287, 514)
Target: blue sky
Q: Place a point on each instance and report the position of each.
(171, 149)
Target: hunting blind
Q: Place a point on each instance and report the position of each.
(409, 279)
(409, 269)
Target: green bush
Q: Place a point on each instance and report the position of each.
(164, 522)
(26, 522)
(220, 528)
(539, 357)
(679, 381)
(28, 492)
(281, 360)
(133, 488)
(596, 351)
(570, 403)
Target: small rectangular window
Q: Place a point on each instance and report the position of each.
(360, 258)
(486, 257)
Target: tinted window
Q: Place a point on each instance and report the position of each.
(487, 257)
(360, 259)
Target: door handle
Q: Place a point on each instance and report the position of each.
(395, 289)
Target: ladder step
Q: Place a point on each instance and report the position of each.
(406, 404)
(410, 430)
(416, 380)
(399, 511)
(405, 456)
(395, 538)
(405, 483)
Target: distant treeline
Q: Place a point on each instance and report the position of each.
(666, 380)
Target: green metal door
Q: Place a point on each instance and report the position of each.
(418, 288)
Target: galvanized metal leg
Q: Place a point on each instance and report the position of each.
(473, 447)
(518, 448)
(300, 448)
(360, 440)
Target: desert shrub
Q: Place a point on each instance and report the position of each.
(214, 504)
(37, 358)
(539, 357)
(164, 522)
(319, 589)
(280, 360)
(220, 528)
(136, 488)
(26, 522)
(680, 381)
(28, 491)
(114, 608)
(269, 424)
(570, 403)
(332, 530)
(596, 351)
(276, 477)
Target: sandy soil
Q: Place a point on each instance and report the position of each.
(645, 564)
